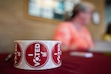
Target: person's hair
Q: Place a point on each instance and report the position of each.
(108, 30)
(77, 9)
(81, 7)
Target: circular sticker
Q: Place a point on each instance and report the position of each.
(56, 54)
(36, 55)
(17, 53)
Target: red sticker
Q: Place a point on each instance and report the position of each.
(56, 54)
(36, 55)
(17, 53)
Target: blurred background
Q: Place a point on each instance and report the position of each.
(15, 23)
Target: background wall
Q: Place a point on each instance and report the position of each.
(13, 24)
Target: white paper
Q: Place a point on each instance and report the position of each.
(82, 54)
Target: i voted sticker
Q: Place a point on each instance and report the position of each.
(56, 54)
(18, 54)
(36, 55)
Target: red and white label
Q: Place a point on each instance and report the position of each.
(17, 53)
(36, 55)
(56, 54)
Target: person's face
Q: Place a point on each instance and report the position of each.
(85, 16)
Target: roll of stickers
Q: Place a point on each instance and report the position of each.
(37, 54)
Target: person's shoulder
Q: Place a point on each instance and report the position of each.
(64, 24)
(86, 30)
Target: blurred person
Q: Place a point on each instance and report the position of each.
(107, 35)
(72, 33)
